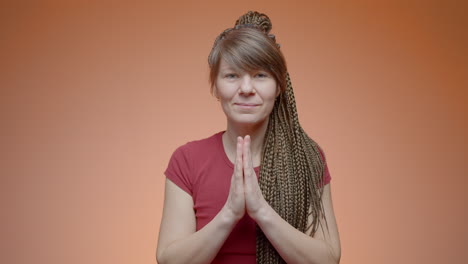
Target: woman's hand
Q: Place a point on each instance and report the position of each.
(254, 200)
(235, 203)
(245, 194)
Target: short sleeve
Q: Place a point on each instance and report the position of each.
(326, 172)
(178, 169)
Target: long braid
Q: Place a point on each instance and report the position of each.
(292, 167)
(291, 173)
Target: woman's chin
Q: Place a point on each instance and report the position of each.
(248, 121)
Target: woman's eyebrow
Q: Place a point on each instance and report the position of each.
(227, 68)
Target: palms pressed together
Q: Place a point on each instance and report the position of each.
(245, 195)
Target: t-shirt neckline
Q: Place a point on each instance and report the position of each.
(225, 157)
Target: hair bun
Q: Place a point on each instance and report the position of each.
(255, 18)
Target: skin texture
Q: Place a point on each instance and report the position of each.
(179, 242)
(236, 88)
(258, 88)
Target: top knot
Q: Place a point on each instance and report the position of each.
(257, 19)
(251, 19)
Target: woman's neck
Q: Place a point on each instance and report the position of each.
(256, 133)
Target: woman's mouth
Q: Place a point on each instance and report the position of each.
(247, 106)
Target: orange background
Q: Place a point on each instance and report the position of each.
(96, 95)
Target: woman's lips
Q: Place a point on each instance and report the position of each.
(247, 106)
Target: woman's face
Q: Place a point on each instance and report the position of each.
(246, 98)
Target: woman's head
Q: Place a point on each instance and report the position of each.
(248, 48)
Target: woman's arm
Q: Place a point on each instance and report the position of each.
(178, 242)
(293, 245)
(297, 247)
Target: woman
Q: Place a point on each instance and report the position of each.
(258, 192)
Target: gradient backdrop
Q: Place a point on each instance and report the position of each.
(96, 95)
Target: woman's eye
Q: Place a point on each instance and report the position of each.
(262, 75)
(231, 75)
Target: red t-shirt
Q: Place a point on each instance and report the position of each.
(203, 170)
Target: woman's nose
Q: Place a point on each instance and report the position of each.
(247, 85)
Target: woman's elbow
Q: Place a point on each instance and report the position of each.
(335, 256)
(159, 257)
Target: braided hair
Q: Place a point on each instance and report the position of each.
(292, 167)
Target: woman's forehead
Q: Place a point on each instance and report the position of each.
(225, 66)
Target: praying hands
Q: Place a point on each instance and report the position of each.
(244, 194)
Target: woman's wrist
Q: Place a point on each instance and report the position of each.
(228, 217)
(263, 213)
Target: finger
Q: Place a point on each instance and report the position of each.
(247, 157)
(236, 163)
(239, 163)
(250, 156)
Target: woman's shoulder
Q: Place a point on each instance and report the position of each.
(202, 144)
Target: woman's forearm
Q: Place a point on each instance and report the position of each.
(293, 245)
(202, 246)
